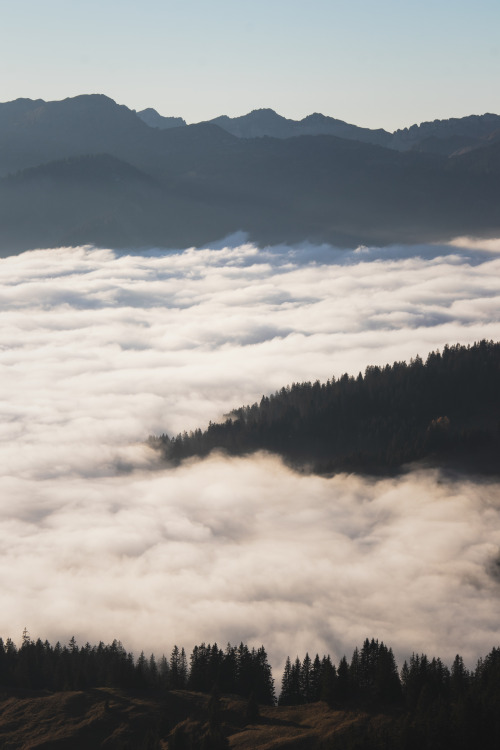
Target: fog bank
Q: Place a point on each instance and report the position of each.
(98, 350)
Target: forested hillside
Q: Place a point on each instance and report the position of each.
(445, 410)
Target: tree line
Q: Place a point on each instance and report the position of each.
(425, 705)
(429, 705)
(445, 410)
(37, 665)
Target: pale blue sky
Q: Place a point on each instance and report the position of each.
(378, 64)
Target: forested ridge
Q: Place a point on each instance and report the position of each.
(445, 410)
(424, 705)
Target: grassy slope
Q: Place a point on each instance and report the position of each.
(115, 720)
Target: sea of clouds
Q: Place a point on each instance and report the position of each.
(98, 350)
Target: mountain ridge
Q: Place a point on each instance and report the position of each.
(210, 183)
(265, 121)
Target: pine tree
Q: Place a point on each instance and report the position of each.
(286, 684)
(459, 679)
(174, 672)
(295, 683)
(229, 671)
(387, 682)
(328, 681)
(263, 686)
(316, 679)
(354, 674)
(153, 671)
(141, 670)
(305, 680)
(343, 681)
(245, 680)
(183, 670)
(163, 672)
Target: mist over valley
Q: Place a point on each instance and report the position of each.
(248, 375)
(100, 539)
(249, 367)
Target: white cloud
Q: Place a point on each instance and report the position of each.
(97, 351)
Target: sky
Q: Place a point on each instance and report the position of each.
(98, 539)
(376, 64)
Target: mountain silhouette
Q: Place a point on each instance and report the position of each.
(151, 117)
(87, 170)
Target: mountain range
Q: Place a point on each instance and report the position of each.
(447, 137)
(87, 170)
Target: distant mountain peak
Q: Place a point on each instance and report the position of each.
(89, 98)
(264, 115)
(264, 111)
(266, 122)
(25, 100)
(316, 117)
(153, 118)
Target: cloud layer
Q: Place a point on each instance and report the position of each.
(99, 350)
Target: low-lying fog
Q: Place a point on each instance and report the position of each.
(99, 350)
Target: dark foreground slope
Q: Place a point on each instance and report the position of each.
(114, 719)
(361, 703)
(182, 186)
(446, 411)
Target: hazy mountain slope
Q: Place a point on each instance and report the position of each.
(484, 161)
(317, 188)
(206, 183)
(328, 189)
(454, 144)
(36, 132)
(94, 199)
(44, 131)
